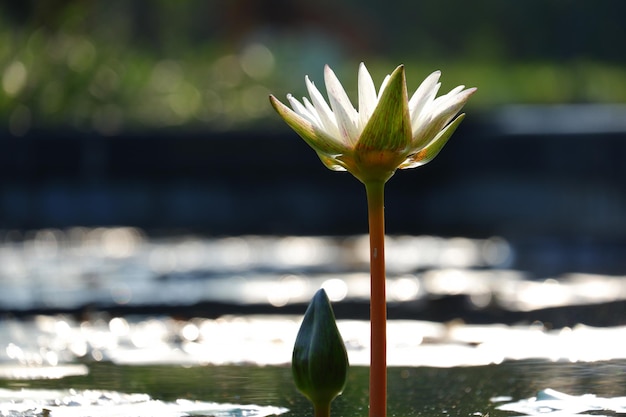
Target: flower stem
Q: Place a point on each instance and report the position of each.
(378, 305)
(321, 410)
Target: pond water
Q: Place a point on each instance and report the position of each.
(110, 322)
(239, 366)
(413, 391)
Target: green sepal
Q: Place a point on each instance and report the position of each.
(430, 151)
(389, 127)
(317, 139)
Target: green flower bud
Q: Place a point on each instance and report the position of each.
(320, 360)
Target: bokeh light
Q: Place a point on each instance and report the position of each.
(210, 65)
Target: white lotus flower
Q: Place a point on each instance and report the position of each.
(387, 132)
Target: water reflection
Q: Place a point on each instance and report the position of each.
(187, 300)
(47, 343)
(96, 403)
(71, 269)
(413, 391)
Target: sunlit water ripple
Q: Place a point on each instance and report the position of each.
(82, 296)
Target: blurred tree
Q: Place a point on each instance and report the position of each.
(50, 14)
(349, 27)
(101, 63)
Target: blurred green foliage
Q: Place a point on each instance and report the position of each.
(112, 66)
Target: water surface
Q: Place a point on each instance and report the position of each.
(413, 391)
(213, 320)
